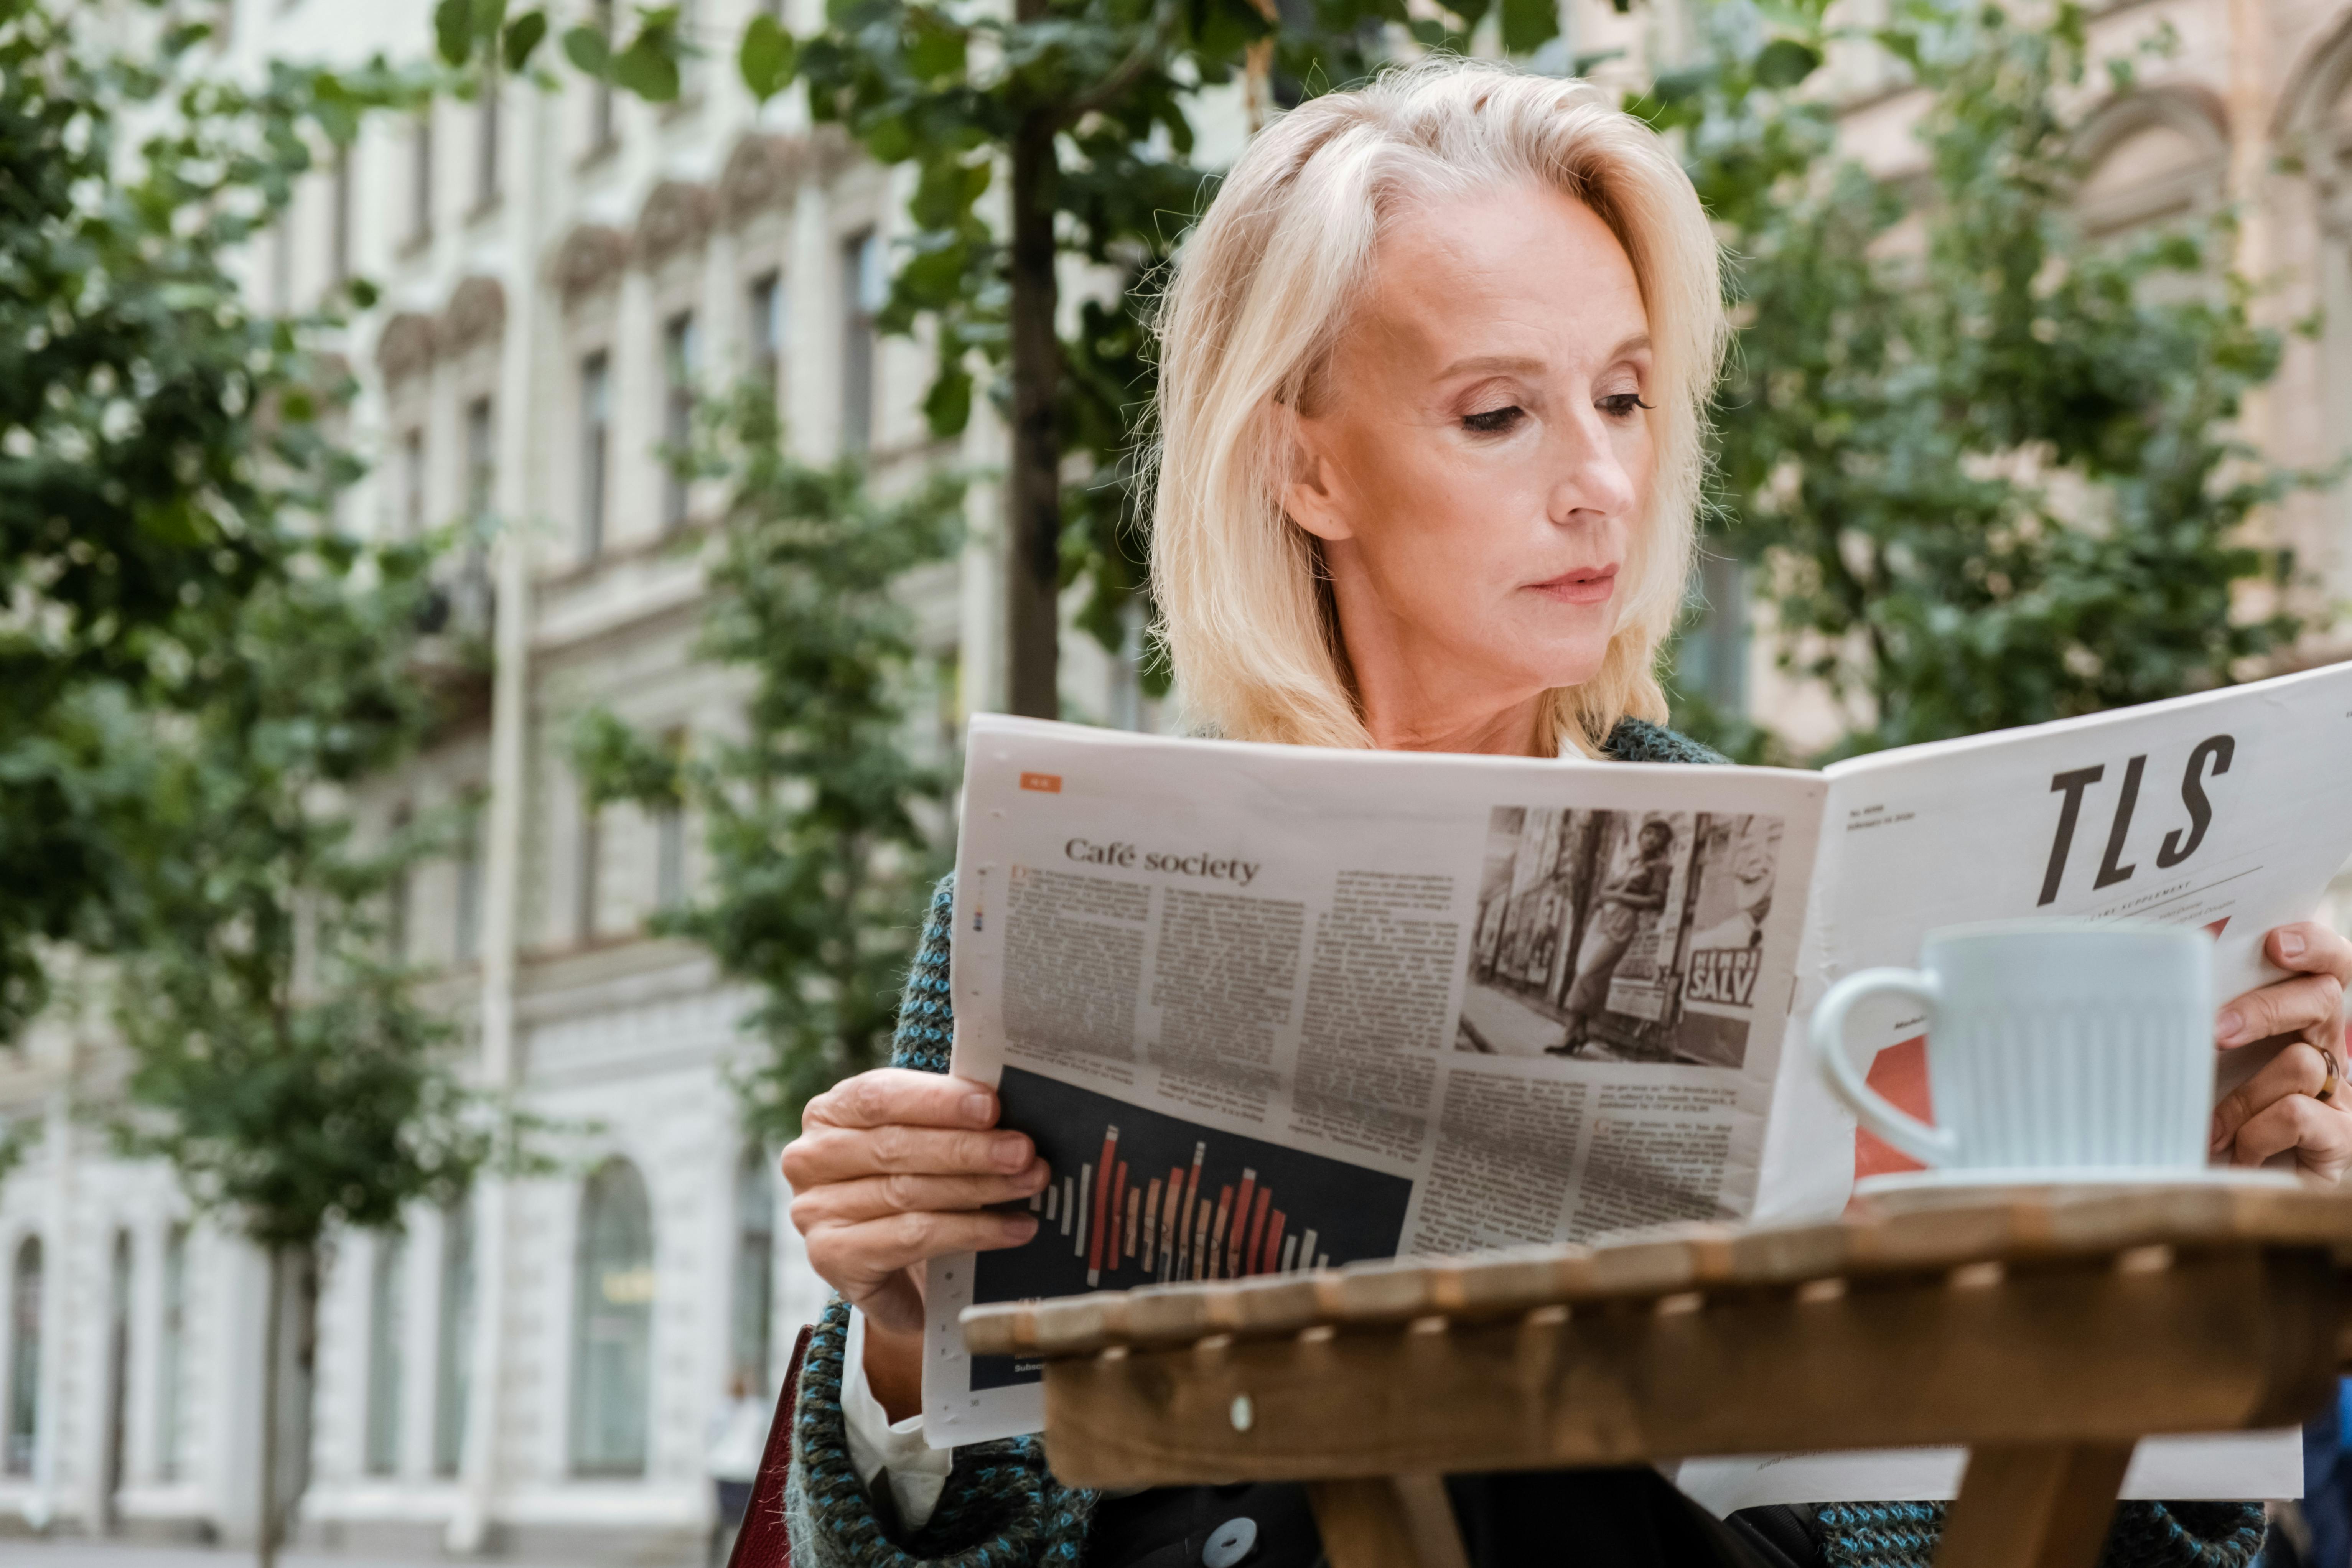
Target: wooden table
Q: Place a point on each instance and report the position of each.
(2045, 1330)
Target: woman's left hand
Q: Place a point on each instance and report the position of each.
(2278, 1109)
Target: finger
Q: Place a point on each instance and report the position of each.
(2286, 1007)
(2320, 1135)
(2312, 947)
(858, 1258)
(2299, 1071)
(899, 1095)
(844, 1154)
(872, 1197)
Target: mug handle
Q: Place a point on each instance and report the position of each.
(1929, 1145)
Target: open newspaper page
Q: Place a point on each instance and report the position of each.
(1267, 1008)
(2229, 810)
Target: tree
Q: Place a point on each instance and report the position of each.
(160, 442)
(823, 825)
(1990, 478)
(196, 659)
(278, 1057)
(1083, 109)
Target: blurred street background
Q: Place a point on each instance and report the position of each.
(505, 508)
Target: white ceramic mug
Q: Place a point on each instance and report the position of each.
(2050, 1045)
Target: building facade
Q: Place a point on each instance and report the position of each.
(537, 1371)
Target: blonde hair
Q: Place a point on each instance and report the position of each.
(1263, 289)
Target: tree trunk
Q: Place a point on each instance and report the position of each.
(1033, 487)
(273, 1318)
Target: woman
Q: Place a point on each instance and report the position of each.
(1433, 376)
(1640, 889)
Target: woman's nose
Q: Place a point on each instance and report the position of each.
(1592, 481)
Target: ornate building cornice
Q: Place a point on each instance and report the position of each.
(677, 217)
(406, 346)
(477, 314)
(590, 259)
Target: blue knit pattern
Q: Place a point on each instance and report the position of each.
(1879, 1534)
(1002, 1506)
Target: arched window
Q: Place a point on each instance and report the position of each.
(611, 1358)
(386, 1286)
(172, 1362)
(2150, 160)
(455, 1340)
(755, 1267)
(24, 1357)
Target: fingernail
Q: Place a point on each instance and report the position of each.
(976, 1109)
(2219, 1138)
(1020, 1226)
(2290, 944)
(2227, 1026)
(1012, 1153)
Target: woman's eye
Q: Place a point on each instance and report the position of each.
(1621, 405)
(1493, 420)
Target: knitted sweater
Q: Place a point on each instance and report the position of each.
(1002, 1507)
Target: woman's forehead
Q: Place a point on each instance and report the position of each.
(1503, 280)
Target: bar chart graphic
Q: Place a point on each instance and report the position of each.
(1141, 1198)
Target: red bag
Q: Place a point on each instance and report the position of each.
(763, 1542)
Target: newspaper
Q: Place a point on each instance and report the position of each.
(1268, 1008)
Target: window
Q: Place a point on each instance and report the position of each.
(863, 289)
(612, 1366)
(669, 858)
(765, 308)
(339, 239)
(454, 1339)
(397, 912)
(281, 263)
(172, 1357)
(601, 130)
(755, 1255)
(412, 483)
(591, 852)
(118, 1374)
(481, 461)
(486, 146)
(24, 1358)
(595, 450)
(468, 933)
(385, 1287)
(420, 179)
(678, 355)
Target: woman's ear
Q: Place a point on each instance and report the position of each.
(1311, 497)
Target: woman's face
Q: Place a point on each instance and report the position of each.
(1477, 459)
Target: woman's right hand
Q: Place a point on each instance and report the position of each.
(893, 1167)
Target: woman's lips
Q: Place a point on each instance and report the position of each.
(1585, 585)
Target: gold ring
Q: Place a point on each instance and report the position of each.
(2327, 1091)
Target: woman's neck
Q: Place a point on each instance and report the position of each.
(1506, 731)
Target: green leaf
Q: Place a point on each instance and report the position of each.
(936, 49)
(522, 37)
(767, 57)
(175, 521)
(453, 31)
(648, 67)
(1528, 25)
(888, 140)
(1785, 62)
(948, 406)
(490, 16)
(587, 49)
